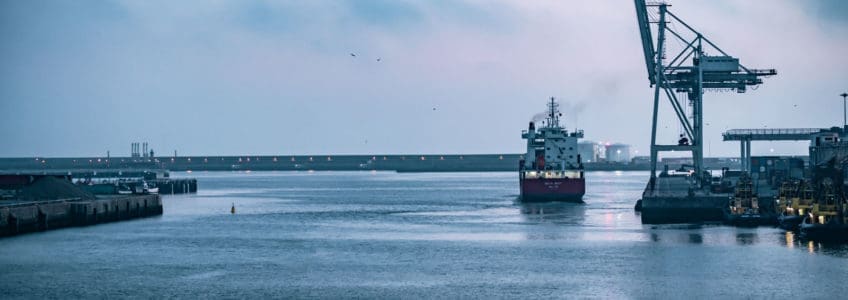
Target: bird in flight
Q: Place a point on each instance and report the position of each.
(378, 59)
(353, 54)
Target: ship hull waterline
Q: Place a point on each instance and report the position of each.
(552, 189)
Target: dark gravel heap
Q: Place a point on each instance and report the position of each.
(52, 188)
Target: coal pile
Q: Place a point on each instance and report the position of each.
(52, 188)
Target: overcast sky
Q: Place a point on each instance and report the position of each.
(453, 76)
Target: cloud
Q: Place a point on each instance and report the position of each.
(232, 77)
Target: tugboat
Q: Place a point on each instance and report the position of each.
(827, 221)
(551, 169)
(796, 199)
(744, 208)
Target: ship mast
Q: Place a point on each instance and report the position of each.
(553, 114)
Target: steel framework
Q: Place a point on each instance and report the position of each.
(682, 75)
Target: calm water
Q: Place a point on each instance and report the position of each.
(388, 235)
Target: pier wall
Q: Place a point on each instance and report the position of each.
(170, 186)
(675, 199)
(34, 216)
(683, 209)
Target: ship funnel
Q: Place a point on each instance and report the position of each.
(532, 126)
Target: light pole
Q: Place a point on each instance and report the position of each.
(844, 110)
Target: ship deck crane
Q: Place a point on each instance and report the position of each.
(691, 71)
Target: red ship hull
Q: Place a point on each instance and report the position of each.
(552, 189)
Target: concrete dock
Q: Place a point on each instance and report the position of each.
(677, 199)
(31, 203)
(17, 217)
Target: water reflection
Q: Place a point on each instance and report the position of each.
(554, 212)
(553, 220)
(747, 238)
(791, 240)
(835, 249)
(677, 237)
(696, 238)
(676, 233)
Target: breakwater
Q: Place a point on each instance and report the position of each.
(378, 162)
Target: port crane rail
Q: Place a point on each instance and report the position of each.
(682, 75)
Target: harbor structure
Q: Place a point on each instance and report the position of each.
(684, 196)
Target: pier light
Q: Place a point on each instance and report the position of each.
(500, 157)
(98, 160)
(275, 159)
(329, 158)
(384, 158)
(423, 158)
(310, 158)
(248, 159)
(292, 159)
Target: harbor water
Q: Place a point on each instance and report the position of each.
(412, 235)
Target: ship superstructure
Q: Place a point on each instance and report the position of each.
(552, 169)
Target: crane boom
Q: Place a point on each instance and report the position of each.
(647, 39)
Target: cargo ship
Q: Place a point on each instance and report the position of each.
(552, 169)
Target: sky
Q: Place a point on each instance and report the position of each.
(80, 78)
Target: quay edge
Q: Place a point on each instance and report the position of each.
(25, 217)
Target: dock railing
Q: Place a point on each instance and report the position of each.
(770, 134)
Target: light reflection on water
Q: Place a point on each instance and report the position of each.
(383, 234)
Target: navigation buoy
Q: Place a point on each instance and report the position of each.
(233, 209)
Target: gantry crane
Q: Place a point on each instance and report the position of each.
(691, 71)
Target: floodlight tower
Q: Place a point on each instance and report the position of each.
(691, 71)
